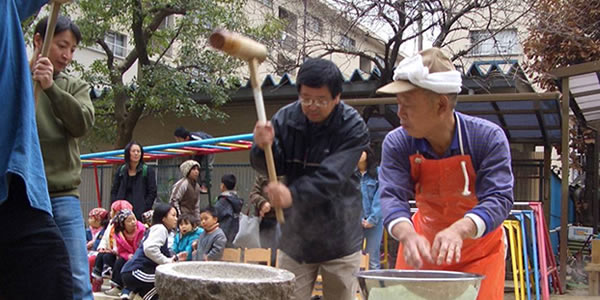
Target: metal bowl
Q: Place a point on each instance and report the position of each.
(418, 285)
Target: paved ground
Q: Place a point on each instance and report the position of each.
(580, 294)
(571, 295)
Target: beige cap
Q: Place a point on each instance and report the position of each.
(433, 58)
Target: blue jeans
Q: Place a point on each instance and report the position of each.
(67, 215)
(373, 236)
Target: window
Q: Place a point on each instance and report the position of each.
(504, 42)
(267, 3)
(347, 42)
(365, 64)
(314, 24)
(168, 22)
(288, 39)
(117, 43)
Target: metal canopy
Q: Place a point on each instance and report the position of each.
(525, 117)
(582, 84)
(584, 88)
(231, 143)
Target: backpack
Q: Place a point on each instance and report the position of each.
(144, 170)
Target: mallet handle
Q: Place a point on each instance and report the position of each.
(262, 116)
(54, 11)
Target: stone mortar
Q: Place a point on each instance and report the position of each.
(222, 281)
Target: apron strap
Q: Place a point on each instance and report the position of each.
(460, 141)
(463, 164)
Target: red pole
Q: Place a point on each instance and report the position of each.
(97, 186)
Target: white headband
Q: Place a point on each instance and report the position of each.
(413, 70)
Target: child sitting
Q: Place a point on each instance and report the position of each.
(228, 208)
(138, 273)
(188, 233)
(97, 220)
(147, 218)
(128, 234)
(212, 241)
(107, 248)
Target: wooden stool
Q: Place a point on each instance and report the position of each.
(593, 269)
(594, 278)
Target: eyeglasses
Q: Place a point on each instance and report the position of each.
(315, 102)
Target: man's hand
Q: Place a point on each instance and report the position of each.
(263, 134)
(279, 195)
(415, 246)
(265, 208)
(366, 224)
(43, 72)
(447, 244)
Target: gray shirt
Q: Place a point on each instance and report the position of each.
(211, 244)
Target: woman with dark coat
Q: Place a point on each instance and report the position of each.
(135, 181)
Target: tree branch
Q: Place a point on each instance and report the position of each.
(169, 45)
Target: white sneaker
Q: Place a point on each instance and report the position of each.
(116, 291)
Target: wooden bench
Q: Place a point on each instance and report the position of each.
(593, 270)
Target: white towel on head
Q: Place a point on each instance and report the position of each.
(413, 70)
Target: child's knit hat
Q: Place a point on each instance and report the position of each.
(98, 213)
(121, 204)
(187, 166)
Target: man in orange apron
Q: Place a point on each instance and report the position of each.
(456, 167)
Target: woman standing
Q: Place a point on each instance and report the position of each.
(372, 222)
(135, 181)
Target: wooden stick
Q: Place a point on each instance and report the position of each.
(54, 11)
(262, 116)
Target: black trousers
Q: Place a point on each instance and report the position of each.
(116, 275)
(34, 262)
(145, 289)
(103, 259)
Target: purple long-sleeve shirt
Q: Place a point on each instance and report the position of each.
(490, 155)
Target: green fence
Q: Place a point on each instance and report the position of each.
(167, 173)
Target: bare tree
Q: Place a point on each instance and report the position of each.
(562, 33)
(396, 24)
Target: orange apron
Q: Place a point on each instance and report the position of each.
(443, 196)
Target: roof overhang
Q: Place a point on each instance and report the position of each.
(584, 88)
(530, 118)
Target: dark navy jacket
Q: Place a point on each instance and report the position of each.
(319, 163)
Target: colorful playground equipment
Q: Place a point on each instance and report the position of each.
(532, 259)
(166, 151)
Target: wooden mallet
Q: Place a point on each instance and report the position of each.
(254, 53)
(54, 11)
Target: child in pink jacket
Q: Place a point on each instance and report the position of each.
(128, 234)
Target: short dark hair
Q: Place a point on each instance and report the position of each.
(371, 162)
(229, 181)
(62, 24)
(128, 155)
(160, 211)
(318, 72)
(181, 132)
(210, 210)
(189, 218)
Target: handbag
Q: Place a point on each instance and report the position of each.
(248, 232)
